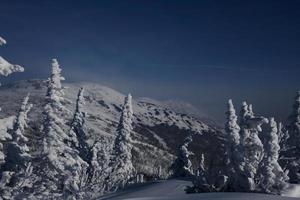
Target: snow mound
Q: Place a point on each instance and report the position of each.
(174, 190)
(6, 68)
(293, 191)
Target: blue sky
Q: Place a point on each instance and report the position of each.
(203, 52)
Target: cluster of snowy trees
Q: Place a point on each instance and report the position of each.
(253, 153)
(64, 166)
(261, 155)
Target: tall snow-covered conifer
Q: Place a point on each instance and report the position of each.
(6, 69)
(122, 167)
(252, 147)
(62, 164)
(17, 167)
(273, 179)
(234, 155)
(18, 151)
(78, 130)
(292, 152)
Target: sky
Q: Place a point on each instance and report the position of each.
(203, 52)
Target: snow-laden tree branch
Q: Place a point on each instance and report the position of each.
(7, 68)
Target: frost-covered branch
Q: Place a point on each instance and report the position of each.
(5, 67)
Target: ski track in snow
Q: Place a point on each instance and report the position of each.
(174, 190)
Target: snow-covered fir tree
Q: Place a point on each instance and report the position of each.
(159, 172)
(62, 166)
(5, 69)
(17, 150)
(292, 153)
(182, 166)
(201, 168)
(122, 167)
(272, 177)
(244, 114)
(283, 137)
(252, 147)
(234, 152)
(100, 180)
(17, 167)
(200, 181)
(78, 130)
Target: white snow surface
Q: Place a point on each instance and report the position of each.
(293, 191)
(174, 190)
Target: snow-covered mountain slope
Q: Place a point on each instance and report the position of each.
(183, 107)
(158, 130)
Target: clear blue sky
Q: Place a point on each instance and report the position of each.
(203, 51)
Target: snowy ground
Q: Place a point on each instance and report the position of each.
(174, 190)
(293, 191)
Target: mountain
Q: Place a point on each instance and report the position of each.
(158, 128)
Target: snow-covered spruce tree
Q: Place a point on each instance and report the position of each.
(252, 148)
(122, 167)
(78, 130)
(200, 183)
(17, 150)
(234, 152)
(159, 172)
(283, 137)
(61, 165)
(292, 153)
(6, 69)
(17, 158)
(182, 166)
(100, 181)
(272, 177)
(78, 141)
(244, 113)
